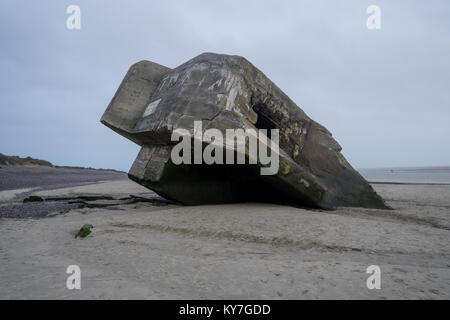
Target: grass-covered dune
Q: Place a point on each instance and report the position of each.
(18, 161)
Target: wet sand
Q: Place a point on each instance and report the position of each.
(240, 251)
(18, 182)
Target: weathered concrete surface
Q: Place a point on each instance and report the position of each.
(228, 92)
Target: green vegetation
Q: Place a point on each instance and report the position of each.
(18, 161)
(33, 199)
(28, 161)
(84, 231)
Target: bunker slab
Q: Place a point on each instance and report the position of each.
(228, 92)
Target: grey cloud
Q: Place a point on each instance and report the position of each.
(383, 94)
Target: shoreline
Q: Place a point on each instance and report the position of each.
(412, 183)
(18, 177)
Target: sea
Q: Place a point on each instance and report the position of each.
(435, 175)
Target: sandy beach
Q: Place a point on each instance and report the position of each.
(146, 250)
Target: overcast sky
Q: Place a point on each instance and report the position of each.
(384, 94)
